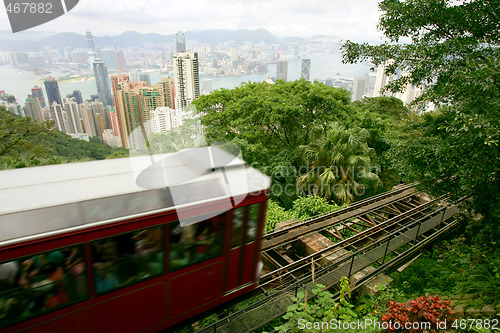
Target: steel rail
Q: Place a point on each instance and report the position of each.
(322, 217)
(283, 271)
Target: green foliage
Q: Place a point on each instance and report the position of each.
(452, 49)
(268, 122)
(21, 135)
(188, 135)
(27, 143)
(276, 214)
(384, 118)
(312, 205)
(323, 314)
(454, 269)
(76, 150)
(340, 164)
(303, 207)
(454, 53)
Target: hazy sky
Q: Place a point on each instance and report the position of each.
(352, 19)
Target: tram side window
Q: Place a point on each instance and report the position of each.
(125, 259)
(244, 224)
(196, 242)
(36, 284)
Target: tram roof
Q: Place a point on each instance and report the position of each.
(47, 199)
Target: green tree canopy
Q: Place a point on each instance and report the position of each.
(451, 48)
(340, 164)
(25, 142)
(18, 135)
(269, 121)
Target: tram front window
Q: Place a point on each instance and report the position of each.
(128, 258)
(196, 242)
(34, 285)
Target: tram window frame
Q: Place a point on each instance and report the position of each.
(250, 220)
(197, 245)
(127, 268)
(37, 279)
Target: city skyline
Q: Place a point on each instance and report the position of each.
(355, 20)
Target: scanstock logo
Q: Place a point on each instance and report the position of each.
(25, 14)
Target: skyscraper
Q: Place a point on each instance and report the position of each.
(121, 64)
(168, 91)
(73, 113)
(38, 93)
(381, 81)
(359, 88)
(282, 70)
(101, 80)
(118, 82)
(144, 77)
(32, 108)
(150, 99)
(129, 109)
(186, 78)
(305, 72)
(94, 53)
(88, 119)
(132, 113)
(52, 89)
(180, 42)
(114, 124)
(59, 116)
(77, 95)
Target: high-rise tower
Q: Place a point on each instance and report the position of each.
(359, 88)
(77, 95)
(52, 89)
(180, 42)
(94, 54)
(73, 114)
(282, 70)
(32, 108)
(187, 79)
(101, 80)
(121, 64)
(38, 93)
(305, 72)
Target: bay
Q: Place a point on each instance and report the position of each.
(19, 82)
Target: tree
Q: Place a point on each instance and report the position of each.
(340, 164)
(17, 135)
(454, 54)
(384, 118)
(26, 143)
(269, 121)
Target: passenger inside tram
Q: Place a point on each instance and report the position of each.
(35, 284)
(196, 242)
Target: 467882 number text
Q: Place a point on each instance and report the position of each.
(29, 7)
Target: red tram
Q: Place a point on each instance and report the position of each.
(98, 247)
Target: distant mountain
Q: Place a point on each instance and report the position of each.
(132, 38)
(238, 36)
(65, 39)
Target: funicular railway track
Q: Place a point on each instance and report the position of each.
(376, 233)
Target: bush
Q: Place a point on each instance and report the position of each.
(425, 309)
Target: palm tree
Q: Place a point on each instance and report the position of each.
(339, 164)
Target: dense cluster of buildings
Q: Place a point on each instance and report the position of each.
(127, 101)
(121, 107)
